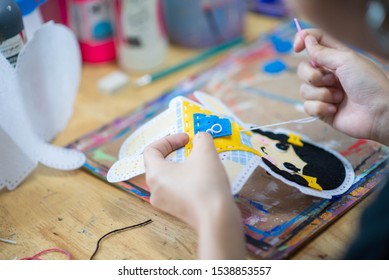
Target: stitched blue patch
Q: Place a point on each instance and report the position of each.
(212, 124)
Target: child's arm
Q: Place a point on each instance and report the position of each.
(221, 234)
(197, 192)
(347, 90)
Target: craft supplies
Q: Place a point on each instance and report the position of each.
(278, 219)
(280, 45)
(7, 241)
(217, 127)
(32, 17)
(12, 35)
(92, 22)
(36, 103)
(287, 156)
(141, 38)
(203, 23)
(116, 231)
(274, 67)
(46, 251)
(302, 37)
(147, 79)
(54, 10)
(275, 8)
(113, 82)
(304, 120)
(62, 4)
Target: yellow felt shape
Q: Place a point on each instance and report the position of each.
(222, 144)
(312, 182)
(295, 140)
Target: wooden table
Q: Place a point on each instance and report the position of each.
(72, 210)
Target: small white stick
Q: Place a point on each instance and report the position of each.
(7, 241)
(305, 120)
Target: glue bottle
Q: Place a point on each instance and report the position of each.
(32, 17)
(92, 22)
(12, 37)
(54, 10)
(141, 37)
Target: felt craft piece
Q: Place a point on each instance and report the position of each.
(286, 155)
(36, 102)
(214, 125)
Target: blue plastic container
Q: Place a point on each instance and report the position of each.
(275, 8)
(203, 23)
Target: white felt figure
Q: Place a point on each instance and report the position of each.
(311, 168)
(36, 102)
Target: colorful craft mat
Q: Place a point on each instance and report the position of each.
(259, 83)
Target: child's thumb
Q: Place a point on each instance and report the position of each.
(203, 145)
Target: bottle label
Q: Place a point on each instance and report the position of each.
(139, 23)
(11, 48)
(92, 20)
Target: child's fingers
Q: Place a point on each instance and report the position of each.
(320, 36)
(299, 44)
(159, 150)
(326, 57)
(315, 76)
(319, 108)
(324, 94)
(203, 146)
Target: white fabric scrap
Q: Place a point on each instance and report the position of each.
(36, 103)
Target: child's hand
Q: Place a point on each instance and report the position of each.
(191, 190)
(198, 192)
(348, 91)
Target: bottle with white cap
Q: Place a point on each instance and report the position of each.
(141, 37)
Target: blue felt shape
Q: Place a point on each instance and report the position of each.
(274, 67)
(217, 127)
(280, 45)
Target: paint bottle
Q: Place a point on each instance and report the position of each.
(32, 18)
(12, 37)
(141, 37)
(92, 22)
(54, 10)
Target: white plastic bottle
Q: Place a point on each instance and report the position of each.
(141, 38)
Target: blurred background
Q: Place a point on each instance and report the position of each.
(136, 34)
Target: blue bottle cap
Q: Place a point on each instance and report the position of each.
(28, 6)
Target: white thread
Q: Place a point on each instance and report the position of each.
(305, 120)
(213, 130)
